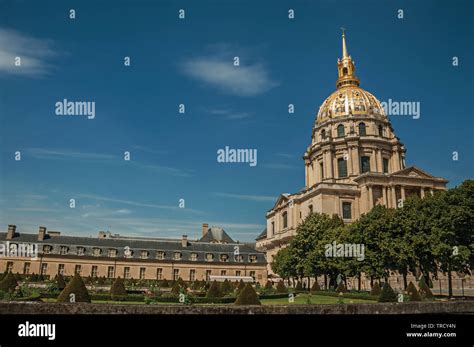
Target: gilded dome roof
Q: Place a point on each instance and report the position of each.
(350, 100)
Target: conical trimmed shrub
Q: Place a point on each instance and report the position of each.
(214, 291)
(425, 291)
(315, 287)
(387, 294)
(375, 289)
(341, 288)
(281, 288)
(268, 285)
(165, 283)
(240, 286)
(176, 288)
(413, 292)
(9, 283)
(247, 296)
(226, 287)
(117, 290)
(60, 282)
(77, 287)
(299, 287)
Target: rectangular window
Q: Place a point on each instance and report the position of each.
(285, 220)
(175, 274)
(112, 253)
(224, 258)
(209, 256)
(126, 272)
(346, 210)
(78, 269)
(239, 258)
(177, 256)
(159, 273)
(223, 273)
(94, 271)
(364, 164)
(252, 273)
(273, 228)
(47, 249)
(144, 254)
(385, 165)
(342, 167)
(194, 257)
(237, 273)
(44, 269)
(96, 252)
(9, 266)
(142, 273)
(61, 269)
(110, 272)
(81, 250)
(26, 268)
(321, 170)
(310, 207)
(192, 275)
(252, 258)
(208, 275)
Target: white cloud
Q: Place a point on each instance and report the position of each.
(34, 54)
(218, 70)
(247, 197)
(229, 114)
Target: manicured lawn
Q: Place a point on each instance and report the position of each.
(315, 299)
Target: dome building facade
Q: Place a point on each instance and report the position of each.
(354, 162)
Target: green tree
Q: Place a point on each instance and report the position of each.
(9, 283)
(387, 294)
(281, 288)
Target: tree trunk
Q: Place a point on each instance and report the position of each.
(359, 281)
(450, 283)
(325, 282)
(405, 284)
(371, 282)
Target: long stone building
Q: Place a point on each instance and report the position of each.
(354, 162)
(214, 254)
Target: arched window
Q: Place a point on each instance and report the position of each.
(285, 219)
(362, 129)
(323, 135)
(340, 130)
(380, 131)
(344, 71)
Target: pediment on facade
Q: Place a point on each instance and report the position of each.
(281, 201)
(413, 171)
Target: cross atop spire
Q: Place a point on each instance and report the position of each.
(344, 46)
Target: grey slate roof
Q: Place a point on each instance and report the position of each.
(216, 234)
(153, 246)
(262, 235)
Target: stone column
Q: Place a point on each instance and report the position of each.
(384, 196)
(371, 197)
(379, 161)
(394, 196)
(402, 191)
(349, 161)
(330, 164)
(356, 160)
(422, 192)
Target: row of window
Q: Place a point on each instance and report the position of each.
(362, 131)
(364, 166)
(160, 255)
(126, 271)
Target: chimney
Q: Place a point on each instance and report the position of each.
(205, 228)
(184, 241)
(42, 233)
(11, 231)
(54, 233)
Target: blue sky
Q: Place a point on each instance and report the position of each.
(189, 61)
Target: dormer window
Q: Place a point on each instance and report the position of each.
(193, 257)
(112, 253)
(177, 256)
(47, 249)
(63, 250)
(144, 255)
(239, 258)
(252, 258)
(96, 252)
(209, 257)
(81, 250)
(160, 255)
(224, 258)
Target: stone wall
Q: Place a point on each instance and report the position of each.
(35, 308)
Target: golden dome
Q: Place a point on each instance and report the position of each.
(349, 98)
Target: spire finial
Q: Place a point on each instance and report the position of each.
(344, 47)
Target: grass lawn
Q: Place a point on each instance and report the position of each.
(315, 299)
